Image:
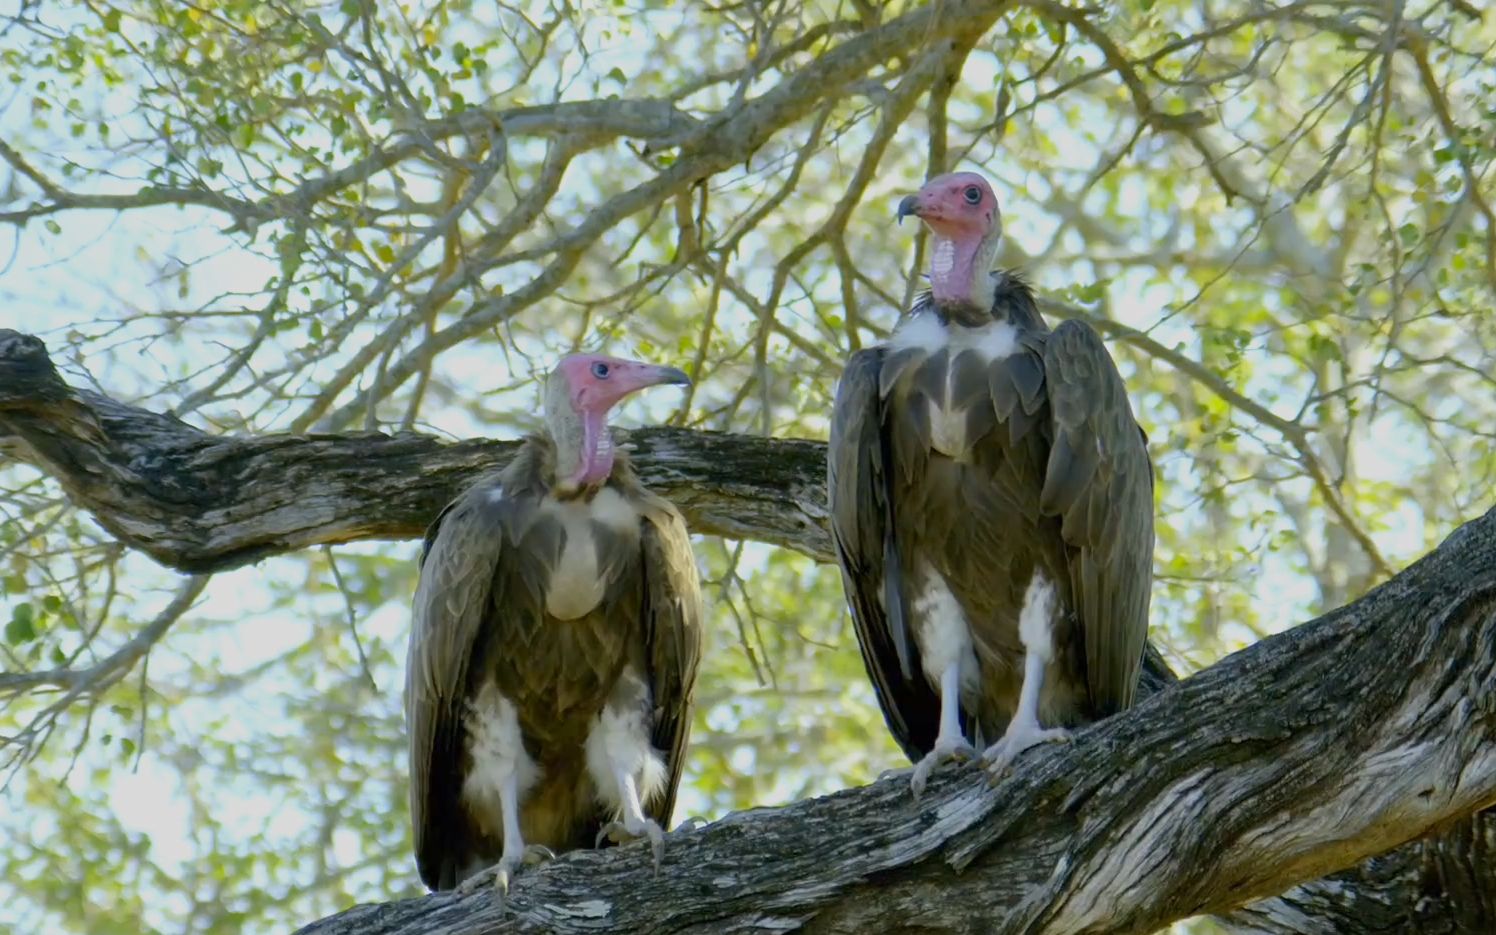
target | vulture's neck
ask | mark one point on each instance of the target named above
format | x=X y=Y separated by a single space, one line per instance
x=584 y=452
x=959 y=271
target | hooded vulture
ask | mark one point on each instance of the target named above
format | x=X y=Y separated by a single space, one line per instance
x=553 y=652
x=992 y=506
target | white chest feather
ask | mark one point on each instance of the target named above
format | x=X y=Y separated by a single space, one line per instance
x=990 y=342
x=580 y=579
x=947 y=427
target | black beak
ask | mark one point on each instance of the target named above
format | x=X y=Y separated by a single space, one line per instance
x=674 y=375
x=908 y=206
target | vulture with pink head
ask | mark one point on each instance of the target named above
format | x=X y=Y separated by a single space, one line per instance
x=554 y=647
x=992 y=507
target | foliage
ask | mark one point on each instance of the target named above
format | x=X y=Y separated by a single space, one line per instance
x=340 y=216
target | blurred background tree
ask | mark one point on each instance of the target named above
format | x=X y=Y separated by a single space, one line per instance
x=268 y=216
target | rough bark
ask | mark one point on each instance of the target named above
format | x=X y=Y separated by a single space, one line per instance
x=1296 y=757
x=1303 y=755
x=201 y=502
x=1442 y=884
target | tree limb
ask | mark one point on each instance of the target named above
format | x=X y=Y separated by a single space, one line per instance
x=1210 y=769
x=200 y=502
x=1444 y=884
x=1295 y=757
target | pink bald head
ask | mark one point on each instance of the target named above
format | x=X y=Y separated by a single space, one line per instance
x=579 y=392
x=961 y=212
x=597 y=382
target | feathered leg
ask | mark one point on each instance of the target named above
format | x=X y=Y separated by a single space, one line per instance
x=625 y=768
x=950 y=744
x=502 y=770
x=1024 y=730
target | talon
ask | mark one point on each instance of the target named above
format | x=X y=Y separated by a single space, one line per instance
x=621 y=831
x=999 y=758
x=694 y=823
x=958 y=750
x=537 y=854
x=656 y=845
x=503 y=872
x=605 y=833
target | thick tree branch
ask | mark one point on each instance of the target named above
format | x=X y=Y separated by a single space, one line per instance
x=1298 y=756
x=1332 y=735
x=201 y=502
x=1444 y=884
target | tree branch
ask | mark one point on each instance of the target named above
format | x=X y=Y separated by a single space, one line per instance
x=200 y=502
x=1306 y=747
x=1297 y=756
x=1444 y=884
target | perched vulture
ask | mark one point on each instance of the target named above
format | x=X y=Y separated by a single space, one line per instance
x=553 y=652
x=992 y=506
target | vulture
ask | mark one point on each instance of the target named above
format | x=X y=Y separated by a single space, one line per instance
x=992 y=507
x=553 y=650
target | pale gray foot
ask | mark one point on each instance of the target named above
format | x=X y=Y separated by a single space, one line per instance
x=632 y=829
x=694 y=823
x=945 y=749
x=1020 y=735
x=502 y=873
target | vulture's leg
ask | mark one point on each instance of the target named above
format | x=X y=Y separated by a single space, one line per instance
x=945 y=646
x=501 y=770
x=625 y=768
x=1035 y=623
x=516 y=853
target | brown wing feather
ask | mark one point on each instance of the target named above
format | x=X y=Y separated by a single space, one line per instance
x=1100 y=482
x=459 y=562
x=672 y=627
x=862 y=525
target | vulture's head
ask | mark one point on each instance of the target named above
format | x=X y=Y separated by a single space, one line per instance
x=579 y=391
x=957 y=206
x=961 y=212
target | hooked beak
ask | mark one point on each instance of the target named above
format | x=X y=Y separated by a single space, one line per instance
x=657 y=375
x=631 y=376
x=909 y=205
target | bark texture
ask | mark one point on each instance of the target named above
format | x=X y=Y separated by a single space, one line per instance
x=1301 y=756
x=199 y=502
x=1296 y=757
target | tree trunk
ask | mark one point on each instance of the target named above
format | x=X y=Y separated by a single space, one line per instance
x=1303 y=755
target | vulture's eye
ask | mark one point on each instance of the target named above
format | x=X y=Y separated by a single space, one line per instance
x=600 y=370
x=973 y=195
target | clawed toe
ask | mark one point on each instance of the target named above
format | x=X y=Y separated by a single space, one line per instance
x=958 y=751
x=619 y=832
x=501 y=874
x=999 y=758
x=537 y=854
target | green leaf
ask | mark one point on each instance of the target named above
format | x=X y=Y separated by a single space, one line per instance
x=111 y=20
x=22 y=626
x=52 y=226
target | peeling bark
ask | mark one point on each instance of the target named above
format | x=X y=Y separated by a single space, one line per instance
x=1303 y=755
